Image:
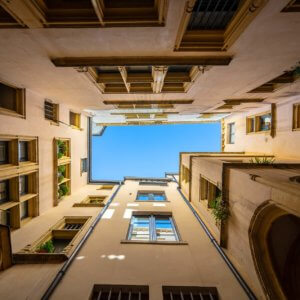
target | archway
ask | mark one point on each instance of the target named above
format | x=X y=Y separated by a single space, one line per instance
x=275 y=244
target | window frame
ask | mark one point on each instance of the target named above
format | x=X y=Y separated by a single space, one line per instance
x=152 y=229
x=151 y=192
x=231 y=133
x=296 y=117
x=20 y=102
x=55 y=120
x=256 y=127
x=74 y=120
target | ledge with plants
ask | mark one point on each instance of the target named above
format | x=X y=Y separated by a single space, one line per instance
x=62 y=168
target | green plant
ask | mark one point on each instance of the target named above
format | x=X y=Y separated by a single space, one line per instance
x=60 y=193
x=220 y=210
x=262 y=161
x=61 y=149
x=60 y=178
x=47 y=247
x=61 y=169
x=64 y=189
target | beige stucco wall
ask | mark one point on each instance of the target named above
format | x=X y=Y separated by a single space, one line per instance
x=29 y=281
x=36 y=125
x=197 y=263
x=285 y=144
x=245 y=196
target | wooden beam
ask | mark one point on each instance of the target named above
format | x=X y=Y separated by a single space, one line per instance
x=137 y=102
x=99 y=10
x=158 y=74
x=142 y=61
x=123 y=73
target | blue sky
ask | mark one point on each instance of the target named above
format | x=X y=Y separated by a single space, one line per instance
x=148 y=151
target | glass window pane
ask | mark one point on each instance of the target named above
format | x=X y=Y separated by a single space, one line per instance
x=140 y=229
x=143 y=197
x=164 y=229
x=265 y=122
x=159 y=197
x=3 y=152
x=23 y=185
x=23 y=155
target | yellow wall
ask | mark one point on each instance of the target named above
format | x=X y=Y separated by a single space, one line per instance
x=286 y=143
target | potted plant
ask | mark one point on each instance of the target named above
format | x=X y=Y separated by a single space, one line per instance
x=61 y=149
x=220 y=210
x=63 y=190
x=46 y=247
x=61 y=173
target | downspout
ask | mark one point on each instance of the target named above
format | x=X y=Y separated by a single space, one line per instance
x=68 y=263
x=234 y=271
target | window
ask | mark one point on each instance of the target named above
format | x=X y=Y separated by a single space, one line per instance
x=151 y=196
x=159 y=228
x=110 y=292
x=153 y=182
x=296 y=116
x=259 y=123
x=57 y=241
x=189 y=293
x=74 y=119
x=83 y=165
x=23 y=185
x=264 y=122
x=213 y=25
x=23 y=151
x=4 y=191
x=106 y=187
x=4 y=153
x=92 y=201
x=231 y=133
x=250 y=125
x=208 y=191
x=12 y=100
x=51 y=111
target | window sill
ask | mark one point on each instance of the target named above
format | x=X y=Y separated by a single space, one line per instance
x=11 y=113
x=296 y=129
x=153 y=242
x=259 y=132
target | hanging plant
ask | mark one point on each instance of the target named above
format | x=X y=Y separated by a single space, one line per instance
x=61 y=149
x=220 y=210
x=64 y=189
x=61 y=178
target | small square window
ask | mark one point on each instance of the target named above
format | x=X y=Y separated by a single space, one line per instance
x=149 y=228
x=23 y=151
x=132 y=292
x=83 y=165
x=4 y=153
x=51 y=111
x=231 y=133
x=75 y=119
x=190 y=293
x=296 y=116
x=4 y=191
x=151 y=196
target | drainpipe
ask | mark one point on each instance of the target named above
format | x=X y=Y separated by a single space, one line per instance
x=234 y=271
x=68 y=263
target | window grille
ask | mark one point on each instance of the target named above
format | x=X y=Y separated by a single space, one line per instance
x=72 y=226
x=120 y=292
x=189 y=293
x=51 y=111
